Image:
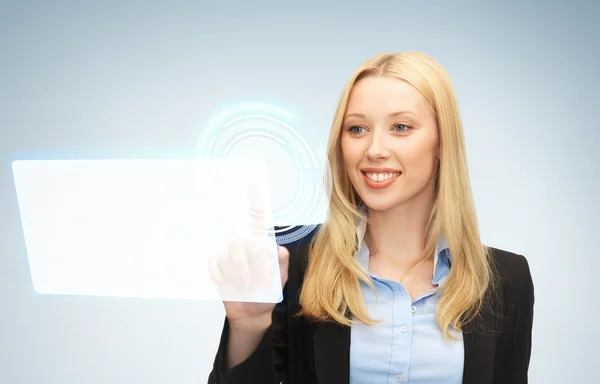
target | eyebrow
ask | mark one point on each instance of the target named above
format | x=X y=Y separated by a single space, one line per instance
x=393 y=114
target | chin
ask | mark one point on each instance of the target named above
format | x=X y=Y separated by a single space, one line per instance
x=376 y=203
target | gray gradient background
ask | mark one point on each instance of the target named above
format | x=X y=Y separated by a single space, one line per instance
x=139 y=78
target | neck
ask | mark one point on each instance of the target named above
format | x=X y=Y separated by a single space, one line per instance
x=398 y=234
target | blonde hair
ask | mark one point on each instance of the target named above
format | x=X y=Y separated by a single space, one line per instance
x=331 y=289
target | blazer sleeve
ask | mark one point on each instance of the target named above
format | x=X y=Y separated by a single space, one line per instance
x=518 y=365
x=267 y=364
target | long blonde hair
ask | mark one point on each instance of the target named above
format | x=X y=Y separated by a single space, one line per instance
x=331 y=289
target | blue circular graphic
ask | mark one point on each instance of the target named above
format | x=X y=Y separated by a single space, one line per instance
x=269 y=122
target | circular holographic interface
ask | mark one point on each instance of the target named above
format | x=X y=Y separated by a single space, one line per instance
x=299 y=176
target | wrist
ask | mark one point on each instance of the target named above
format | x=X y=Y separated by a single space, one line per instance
x=258 y=323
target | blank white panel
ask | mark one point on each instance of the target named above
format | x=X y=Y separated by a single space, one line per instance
x=137 y=228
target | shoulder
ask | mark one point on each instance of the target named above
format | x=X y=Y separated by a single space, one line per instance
x=510 y=267
x=514 y=284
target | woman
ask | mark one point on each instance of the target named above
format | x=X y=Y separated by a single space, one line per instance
x=395 y=286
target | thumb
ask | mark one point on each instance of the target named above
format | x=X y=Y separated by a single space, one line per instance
x=284 y=260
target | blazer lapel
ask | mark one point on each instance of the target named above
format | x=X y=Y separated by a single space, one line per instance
x=332 y=353
x=479 y=343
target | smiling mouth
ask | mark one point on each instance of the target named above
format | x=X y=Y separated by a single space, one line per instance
x=380 y=180
x=381 y=177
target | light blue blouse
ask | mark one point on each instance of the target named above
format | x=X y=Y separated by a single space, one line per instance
x=408 y=347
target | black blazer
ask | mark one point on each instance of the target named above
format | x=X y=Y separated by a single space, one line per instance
x=295 y=350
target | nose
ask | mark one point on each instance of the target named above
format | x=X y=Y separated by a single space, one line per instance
x=378 y=149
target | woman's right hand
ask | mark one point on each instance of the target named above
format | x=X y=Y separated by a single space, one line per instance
x=247 y=266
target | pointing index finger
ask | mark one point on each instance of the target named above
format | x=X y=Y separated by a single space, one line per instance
x=259 y=199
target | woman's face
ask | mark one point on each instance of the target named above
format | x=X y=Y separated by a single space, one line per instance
x=389 y=143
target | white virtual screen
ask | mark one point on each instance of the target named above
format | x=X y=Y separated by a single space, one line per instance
x=140 y=228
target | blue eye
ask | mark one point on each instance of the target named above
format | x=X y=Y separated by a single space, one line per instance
x=355 y=129
x=402 y=127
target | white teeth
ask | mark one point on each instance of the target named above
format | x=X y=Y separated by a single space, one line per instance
x=379 y=177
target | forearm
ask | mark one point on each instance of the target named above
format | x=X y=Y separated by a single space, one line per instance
x=244 y=337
